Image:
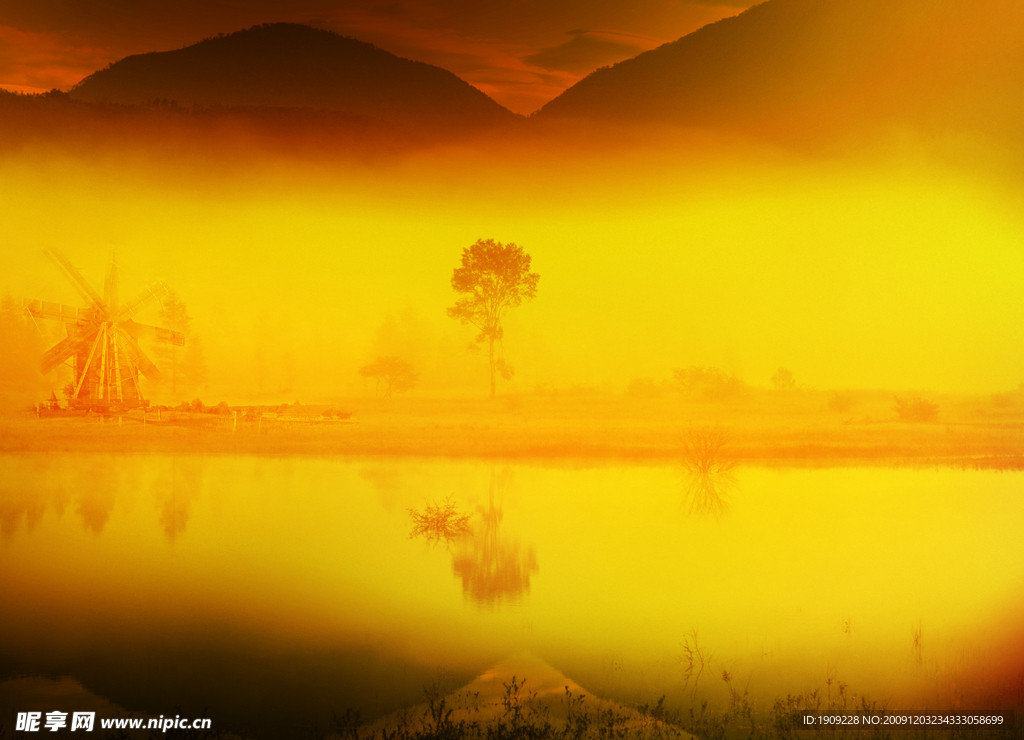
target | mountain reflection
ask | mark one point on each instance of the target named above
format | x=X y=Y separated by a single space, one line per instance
x=493 y=567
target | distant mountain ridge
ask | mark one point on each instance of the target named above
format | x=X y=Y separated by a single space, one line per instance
x=284 y=65
x=822 y=63
x=789 y=70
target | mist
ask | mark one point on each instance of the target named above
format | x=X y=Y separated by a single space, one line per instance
x=894 y=271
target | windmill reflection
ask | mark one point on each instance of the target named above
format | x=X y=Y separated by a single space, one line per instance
x=493 y=567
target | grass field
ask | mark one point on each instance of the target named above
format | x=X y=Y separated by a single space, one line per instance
x=760 y=427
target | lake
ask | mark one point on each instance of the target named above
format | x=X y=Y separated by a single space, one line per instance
x=270 y=593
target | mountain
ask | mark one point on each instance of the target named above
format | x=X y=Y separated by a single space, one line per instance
x=523 y=696
x=811 y=66
x=292 y=66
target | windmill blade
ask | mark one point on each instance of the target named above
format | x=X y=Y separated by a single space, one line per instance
x=156 y=333
x=65 y=349
x=88 y=363
x=136 y=356
x=58 y=311
x=156 y=290
x=117 y=371
x=77 y=280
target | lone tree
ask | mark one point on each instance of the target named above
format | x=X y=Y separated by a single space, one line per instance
x=186 y=368
x=492 y=278
x=392 y=373
x=783 y=380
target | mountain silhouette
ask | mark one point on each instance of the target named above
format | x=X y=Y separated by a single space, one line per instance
x=802 y=66
x=523 y=696
x=291 y=66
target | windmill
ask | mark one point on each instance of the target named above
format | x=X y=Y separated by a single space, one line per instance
x=102 y=341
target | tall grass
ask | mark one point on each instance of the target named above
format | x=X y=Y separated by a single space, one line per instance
x=439 y=523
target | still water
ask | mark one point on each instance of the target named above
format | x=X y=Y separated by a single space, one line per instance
x=268 y=593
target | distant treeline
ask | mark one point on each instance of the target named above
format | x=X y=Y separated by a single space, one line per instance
x=61 y=123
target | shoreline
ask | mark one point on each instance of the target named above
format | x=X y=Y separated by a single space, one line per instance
x=768 y=442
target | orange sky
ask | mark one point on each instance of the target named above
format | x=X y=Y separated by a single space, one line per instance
x=521 y=52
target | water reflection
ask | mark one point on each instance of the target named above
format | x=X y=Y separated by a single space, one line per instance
x=439 y=523
x=176 y=489
x=94 y=489
x=844 y=568
x=95 y=505
x=18 y=506
x=709 y=470
x=492 y=565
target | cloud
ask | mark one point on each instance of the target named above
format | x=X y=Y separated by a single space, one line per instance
x=31 y=61
x=587 y=50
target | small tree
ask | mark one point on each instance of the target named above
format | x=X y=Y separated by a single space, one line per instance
x=173 y=315
x=492 y=278
x=783 y=380
x=393 y=373
x=184 y=367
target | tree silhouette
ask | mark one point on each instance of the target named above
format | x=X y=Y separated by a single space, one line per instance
x=393 y=373
x=492 y=278
x=174 y=316
x=783 y=380
x=186 y=368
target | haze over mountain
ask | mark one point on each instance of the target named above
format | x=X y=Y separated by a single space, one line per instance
x=285 y=65
x=799 y=66
x=789 y=70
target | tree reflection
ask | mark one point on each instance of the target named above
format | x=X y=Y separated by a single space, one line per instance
x=176 y=491
x=492 y=565
x=97 y=496
x=18 y=506
x=708 y=469
x=28 y=492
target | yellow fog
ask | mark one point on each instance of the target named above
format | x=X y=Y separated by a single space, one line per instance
x=887 y=272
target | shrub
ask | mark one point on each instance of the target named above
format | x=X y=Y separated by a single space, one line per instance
x=915 y=408
x=708 y=383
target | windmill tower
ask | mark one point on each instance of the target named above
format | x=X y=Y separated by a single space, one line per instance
x=102 y=341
